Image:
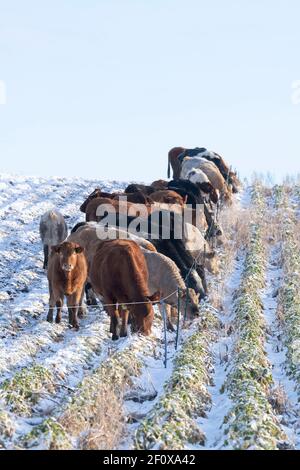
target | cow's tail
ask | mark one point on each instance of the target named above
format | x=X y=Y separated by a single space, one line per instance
x=169 y=167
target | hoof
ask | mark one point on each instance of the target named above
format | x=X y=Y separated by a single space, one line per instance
x=49 y=319
x=115 y=337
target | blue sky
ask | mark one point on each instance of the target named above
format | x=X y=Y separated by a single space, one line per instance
x=105 y=88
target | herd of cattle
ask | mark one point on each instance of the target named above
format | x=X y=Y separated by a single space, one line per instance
x=129 y=271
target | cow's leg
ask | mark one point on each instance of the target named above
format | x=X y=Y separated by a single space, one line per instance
x=73 y=301
x=118 y=323
x=170 y=326
x=176 y=166
x=55 y=300
x=46 y=255
x=133 y=323
x=168 y=310
x=52 y=303
x=209 y=220
x=174 y=314
x=111 y=325
x=89 y=294
x=124 y=312
x=171 y=315
x=59 y=305
x=59 y=301
x=115 y=321
x=82 y=309
x=201 y=271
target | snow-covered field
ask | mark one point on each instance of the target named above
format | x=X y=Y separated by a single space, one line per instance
x=209 y=396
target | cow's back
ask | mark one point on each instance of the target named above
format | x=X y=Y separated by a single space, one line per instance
x=194 y=240
x=163 y=273
x=91 y=232
x=119 y=270
x=211 y=170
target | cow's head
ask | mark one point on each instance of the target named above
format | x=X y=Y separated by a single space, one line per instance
x=93 y=195
x=209 y=192
x=143 y=314
x=68 y=253
x=234 y=181
x=197 y=176
x=190 y=299
x=212 y=262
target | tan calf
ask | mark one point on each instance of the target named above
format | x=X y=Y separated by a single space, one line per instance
x=67 y=274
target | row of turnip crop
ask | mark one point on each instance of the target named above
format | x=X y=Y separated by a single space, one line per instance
x=289 y=293
x=251 y=422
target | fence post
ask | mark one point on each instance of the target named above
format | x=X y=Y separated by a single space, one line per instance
x=178 y=319
x=165 y=331
x=186 y=302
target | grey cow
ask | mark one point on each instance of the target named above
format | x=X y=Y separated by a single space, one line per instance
x=53 y=231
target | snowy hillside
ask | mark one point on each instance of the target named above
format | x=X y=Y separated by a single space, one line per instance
x=230 y=384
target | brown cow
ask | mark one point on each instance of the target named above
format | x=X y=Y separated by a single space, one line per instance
x=137 y=197
x=159 y=185
x=145 y=189
x=115 y=206
x=67 y=274
x=168 y=197
x=119 y=275
x=94 y=213
x=92 y=206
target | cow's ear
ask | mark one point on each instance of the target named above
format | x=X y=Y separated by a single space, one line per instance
x=79 y=249
x=56 y=249
x=210 y=255
x=155 y=297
